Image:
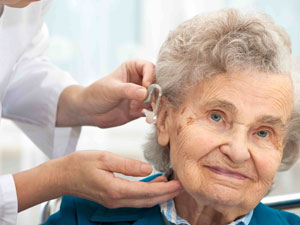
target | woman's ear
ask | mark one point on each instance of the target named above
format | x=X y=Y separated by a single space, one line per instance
x=162 y=130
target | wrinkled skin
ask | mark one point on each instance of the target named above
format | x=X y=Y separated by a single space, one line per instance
x=227 y=143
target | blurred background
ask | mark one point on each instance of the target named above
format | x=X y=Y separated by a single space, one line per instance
x=92 y=38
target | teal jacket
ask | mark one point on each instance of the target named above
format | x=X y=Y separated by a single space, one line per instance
x=78 y=211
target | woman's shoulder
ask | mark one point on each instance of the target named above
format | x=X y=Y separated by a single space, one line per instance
x=74 y=210
x=78 y=211
x=71 y=208
x=266 y=215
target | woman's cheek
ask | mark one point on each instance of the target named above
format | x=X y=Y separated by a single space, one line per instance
x=266 y=163
x=199 y=141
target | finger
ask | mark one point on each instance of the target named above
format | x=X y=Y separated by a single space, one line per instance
x=138 y=105
x=160 y=179
x=148 y=74
x=126 y=166
x=146 y=202
x=136 y=108
x=146 y=70
x=136 y=189
x=133 y=91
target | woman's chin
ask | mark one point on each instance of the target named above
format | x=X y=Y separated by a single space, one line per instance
x=222 y=195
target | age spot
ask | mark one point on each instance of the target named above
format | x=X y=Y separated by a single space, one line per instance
x=190 y=121
x=183 y=110
x=179 y=129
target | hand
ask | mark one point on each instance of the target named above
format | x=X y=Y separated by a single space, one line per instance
x=112 y=101
x=90 y=175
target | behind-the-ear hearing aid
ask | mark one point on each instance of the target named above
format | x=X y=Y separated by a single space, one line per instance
x=156 y=91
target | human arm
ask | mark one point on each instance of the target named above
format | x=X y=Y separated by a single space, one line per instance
x=89 y=175
x=32 y=95
x=35 y=91
x=114 y=192
x=111 y=101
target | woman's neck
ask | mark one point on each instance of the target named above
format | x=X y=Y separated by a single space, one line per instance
x=203 y=213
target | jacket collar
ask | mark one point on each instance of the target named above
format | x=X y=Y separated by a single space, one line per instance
x=103 y=214
x=139 y=215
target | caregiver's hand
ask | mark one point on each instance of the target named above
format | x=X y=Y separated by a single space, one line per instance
x=93 y=178
x=89 y=175
x=111 y=101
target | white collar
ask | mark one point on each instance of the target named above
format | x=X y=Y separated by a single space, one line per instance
x=170 y=215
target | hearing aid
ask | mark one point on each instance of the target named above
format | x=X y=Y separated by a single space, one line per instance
x=154 y=90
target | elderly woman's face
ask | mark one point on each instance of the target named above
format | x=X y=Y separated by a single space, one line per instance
x=226 y=140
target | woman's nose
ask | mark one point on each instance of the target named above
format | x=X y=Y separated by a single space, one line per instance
x=236 y=146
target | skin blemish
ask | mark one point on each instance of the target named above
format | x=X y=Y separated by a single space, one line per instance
x=179 y=129
x=190 y=121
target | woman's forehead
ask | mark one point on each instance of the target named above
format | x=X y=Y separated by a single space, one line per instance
x=259 y=93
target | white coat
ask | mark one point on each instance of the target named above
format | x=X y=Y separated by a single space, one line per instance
x=29 y=90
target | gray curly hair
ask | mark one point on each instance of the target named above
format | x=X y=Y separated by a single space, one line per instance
x=224 y=41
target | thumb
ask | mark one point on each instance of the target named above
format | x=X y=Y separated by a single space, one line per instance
x=126 y=166
x=133 y=91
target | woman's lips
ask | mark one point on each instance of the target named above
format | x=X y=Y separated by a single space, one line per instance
x=227 y=172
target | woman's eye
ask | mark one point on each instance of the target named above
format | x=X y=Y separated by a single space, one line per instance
x=216 y=117
x=262 y=133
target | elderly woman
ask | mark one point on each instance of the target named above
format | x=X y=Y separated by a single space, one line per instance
x=225 y=124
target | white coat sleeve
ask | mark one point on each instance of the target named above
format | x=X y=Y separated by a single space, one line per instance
x=8 y=202
x=32 y=97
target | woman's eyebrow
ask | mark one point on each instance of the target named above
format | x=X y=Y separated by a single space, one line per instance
x=271 y=120
x=228 y=106
x=223 y=104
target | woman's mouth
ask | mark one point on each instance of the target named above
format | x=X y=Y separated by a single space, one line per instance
x=227 y=172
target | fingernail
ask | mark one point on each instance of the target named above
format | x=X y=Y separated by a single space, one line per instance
x=141 y=93
x=146 y=168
